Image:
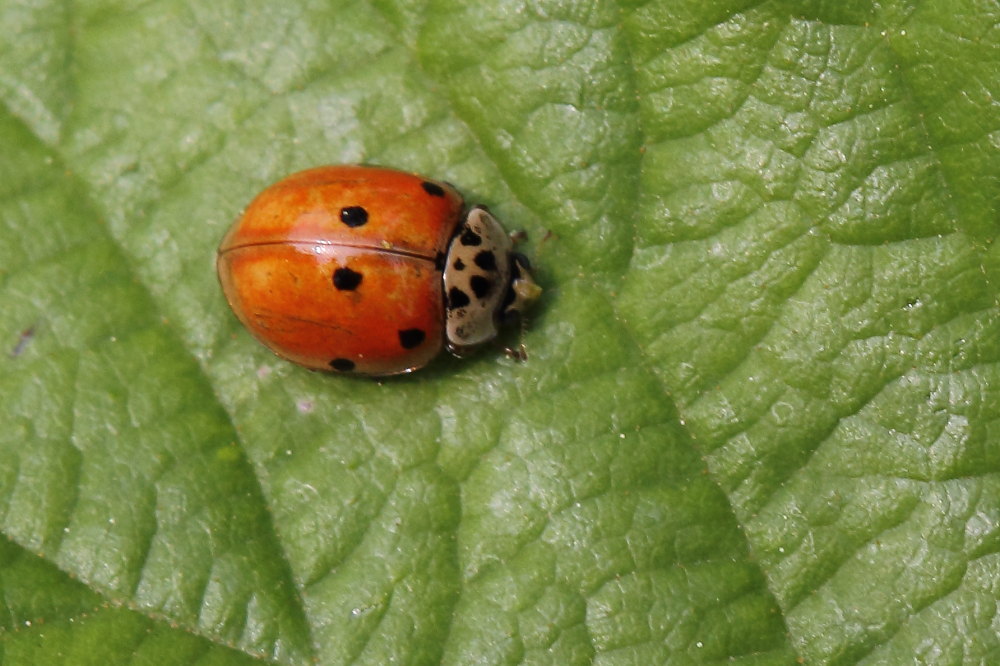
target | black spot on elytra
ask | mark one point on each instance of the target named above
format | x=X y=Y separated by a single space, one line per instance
x=342 y=364
x=411 y=337
x=345 y=279
x=457 y=298
x=486 y=260
x=353 y=216
x=432 y=189
x=459 y=265
x=480 y=285
x=470 y=237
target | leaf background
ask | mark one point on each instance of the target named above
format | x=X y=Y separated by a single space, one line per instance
x=759 y=419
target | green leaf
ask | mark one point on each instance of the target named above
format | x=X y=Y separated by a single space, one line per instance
x=759 y=420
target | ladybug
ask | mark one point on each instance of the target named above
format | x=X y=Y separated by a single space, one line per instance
x=369 y=270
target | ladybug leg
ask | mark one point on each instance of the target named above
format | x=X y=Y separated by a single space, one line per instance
x=519 y=353
x=518 y=236
x=521 y=236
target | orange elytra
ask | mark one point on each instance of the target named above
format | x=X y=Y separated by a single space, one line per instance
x=369 y=270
